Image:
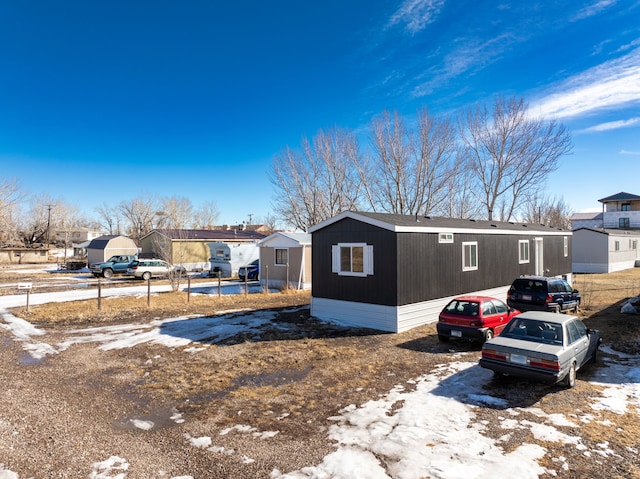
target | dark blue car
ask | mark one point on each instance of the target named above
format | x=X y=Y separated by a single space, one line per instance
x=251 y=271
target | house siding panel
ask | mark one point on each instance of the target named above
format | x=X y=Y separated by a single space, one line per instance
x=379 y=288
x=432 y=270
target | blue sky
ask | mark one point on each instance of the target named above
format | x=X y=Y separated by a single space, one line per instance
x=105 y=101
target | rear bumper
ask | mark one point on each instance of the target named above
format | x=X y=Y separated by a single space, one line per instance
x=461 y=332
x=548 y=307
x=550 y=377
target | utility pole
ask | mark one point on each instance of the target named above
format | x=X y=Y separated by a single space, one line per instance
x=250 y=217
x=48 y=223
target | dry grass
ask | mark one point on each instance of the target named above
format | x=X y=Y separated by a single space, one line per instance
x=164 y=305
x=603 y=296
x=312 y=371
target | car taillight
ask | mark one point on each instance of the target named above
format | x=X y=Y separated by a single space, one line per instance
x=493 y=354
x=548 y=299
x=545 y=363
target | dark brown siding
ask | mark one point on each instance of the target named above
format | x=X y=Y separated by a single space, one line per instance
x=415 y=267
x=380 y=288
x=431 y=270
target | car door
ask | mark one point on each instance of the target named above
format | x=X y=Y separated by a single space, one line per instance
x=578 y=341
x=501 y=316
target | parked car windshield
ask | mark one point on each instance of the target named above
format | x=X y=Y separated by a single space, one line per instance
x=466 y=308
x=534 y=330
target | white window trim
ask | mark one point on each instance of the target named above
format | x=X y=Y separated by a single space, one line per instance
x=445 y=237
x=566 y=246
x=367 y=260
x=275 y=256
x=464 y=249
x=522 y=260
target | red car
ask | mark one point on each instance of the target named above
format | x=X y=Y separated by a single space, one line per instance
x=474 y=318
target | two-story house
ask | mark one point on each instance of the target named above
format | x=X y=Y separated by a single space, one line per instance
x=607 y=241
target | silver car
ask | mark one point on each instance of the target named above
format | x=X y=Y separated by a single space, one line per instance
x=542 y=346
x=147 y=268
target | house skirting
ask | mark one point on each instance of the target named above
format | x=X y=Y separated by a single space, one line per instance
x=603 y=267
x=281 y=283
x=394 y=319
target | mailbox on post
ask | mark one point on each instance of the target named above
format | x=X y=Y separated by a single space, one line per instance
x=25 y=287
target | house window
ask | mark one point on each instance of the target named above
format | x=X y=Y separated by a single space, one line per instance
x=352 y=259
x=282 y=256
x=470 y=256
x=623 y=222
x=566 y=246
x=625 y=207
x=634 y=244
x=617 y=246
x=445 y=238
x=523 y=246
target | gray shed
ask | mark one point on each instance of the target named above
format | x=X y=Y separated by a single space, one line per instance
x=103 y=247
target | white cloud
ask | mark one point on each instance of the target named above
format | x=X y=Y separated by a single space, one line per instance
x=416 y=14
x=593 y=9
x=614 y=125
x=612 y=85
x=627 y=152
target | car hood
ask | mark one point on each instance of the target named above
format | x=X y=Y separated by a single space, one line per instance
x=511 y=343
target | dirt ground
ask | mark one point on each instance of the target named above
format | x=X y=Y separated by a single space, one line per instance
x=64 y=413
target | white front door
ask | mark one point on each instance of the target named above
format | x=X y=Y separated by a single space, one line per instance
x=539 y=256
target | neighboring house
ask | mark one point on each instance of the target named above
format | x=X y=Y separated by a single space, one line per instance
x=396 y=272
x=607 y=241
x=586 y=220
x=190 y=248
x=103 y=247
x=75 y=236
x=605 y=250
x=285 y=260
x=22 y=255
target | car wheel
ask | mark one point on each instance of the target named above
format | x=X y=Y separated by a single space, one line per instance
x=443 y=339
x=107 y=273
x=146 y=275
x=488 y=335
x=570 y=379
x=557 y=309
x=499 y=376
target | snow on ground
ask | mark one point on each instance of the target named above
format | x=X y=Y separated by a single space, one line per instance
x=424 y=428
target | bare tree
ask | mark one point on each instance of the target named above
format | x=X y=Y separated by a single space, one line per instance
x=206 y=215
x=319 y=181
x=141 y=214
x=48 y=220
x=547 y=211
x=10 y=198
x=175 y=213
x=411 y=168
x=510 y=153
x=110 y=218
x=460 y=203
x=34 y=223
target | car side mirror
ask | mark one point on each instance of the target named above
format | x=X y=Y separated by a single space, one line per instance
x=576 y=291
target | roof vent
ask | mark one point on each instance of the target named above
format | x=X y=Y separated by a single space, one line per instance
x=494 y=226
